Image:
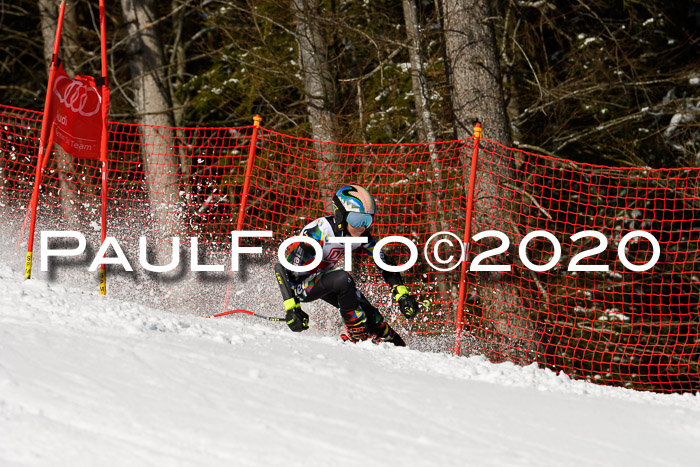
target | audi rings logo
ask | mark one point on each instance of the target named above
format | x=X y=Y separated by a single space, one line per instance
x=78 y=97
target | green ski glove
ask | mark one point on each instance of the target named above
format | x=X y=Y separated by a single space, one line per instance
x=407 y=304
x=297 y=320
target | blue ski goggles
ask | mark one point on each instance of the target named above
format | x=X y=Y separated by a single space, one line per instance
x=358 y=219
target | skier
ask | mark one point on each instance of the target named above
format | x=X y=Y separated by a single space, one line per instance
x=353 y=213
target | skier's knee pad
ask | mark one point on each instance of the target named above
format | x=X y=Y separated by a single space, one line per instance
x=340 y=281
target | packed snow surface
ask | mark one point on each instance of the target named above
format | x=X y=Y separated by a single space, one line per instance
x=93 y=381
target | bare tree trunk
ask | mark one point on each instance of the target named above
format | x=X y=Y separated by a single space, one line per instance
x=153 y=105
x=426 y=133
x=178 y=58
x=421 y=98
x=319 y=87
x=477 y=96
x=420 y=86
x=48 y=14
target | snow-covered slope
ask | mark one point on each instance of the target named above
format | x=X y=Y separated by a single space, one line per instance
x=91 y=381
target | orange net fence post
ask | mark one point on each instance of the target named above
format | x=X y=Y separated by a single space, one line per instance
x=248 y=171
x=244 y=194
x=467 y=240
x=575 y=286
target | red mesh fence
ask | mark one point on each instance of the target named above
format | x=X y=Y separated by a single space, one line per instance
x=637 y=329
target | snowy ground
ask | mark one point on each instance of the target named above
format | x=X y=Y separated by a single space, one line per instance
x=87 y=381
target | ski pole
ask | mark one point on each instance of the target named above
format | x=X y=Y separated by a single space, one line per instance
x=269 y=318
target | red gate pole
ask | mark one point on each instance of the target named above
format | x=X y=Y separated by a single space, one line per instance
x=244 y=195
x=103 y=142
x=35 y=193
x=43 y=141
x=467 y=240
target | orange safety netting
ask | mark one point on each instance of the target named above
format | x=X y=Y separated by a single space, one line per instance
x=623 y=327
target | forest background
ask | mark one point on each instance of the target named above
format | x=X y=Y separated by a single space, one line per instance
x=609 y=82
